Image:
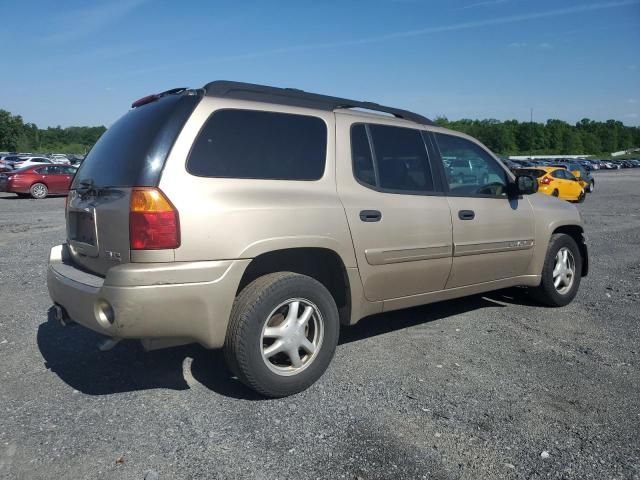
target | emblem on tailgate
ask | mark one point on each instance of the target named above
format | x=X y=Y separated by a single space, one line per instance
x=115 y=256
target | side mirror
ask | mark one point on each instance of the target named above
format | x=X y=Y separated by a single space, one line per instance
x=526 y=185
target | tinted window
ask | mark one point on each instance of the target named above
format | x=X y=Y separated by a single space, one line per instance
x=482 y=174
x=133 y=150
x=361 y=156
x=534 y=172
x=401 y=159
x=43 y=170
x=262 y=145
x=559 y=174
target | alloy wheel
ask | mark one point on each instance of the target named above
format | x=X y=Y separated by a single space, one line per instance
x=564 y=271
x=292 y=336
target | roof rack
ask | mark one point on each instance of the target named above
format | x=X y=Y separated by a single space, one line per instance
x=300 y=98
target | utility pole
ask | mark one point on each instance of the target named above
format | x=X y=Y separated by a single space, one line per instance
x=531 y=129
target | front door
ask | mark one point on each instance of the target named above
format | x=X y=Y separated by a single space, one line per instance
x=493 y=234
x=399 y=220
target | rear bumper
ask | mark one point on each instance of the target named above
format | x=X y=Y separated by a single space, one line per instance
x=183 y=301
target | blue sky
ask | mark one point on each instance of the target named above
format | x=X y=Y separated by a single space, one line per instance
x=70 y=62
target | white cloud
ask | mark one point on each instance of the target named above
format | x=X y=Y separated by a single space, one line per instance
x=545 y=45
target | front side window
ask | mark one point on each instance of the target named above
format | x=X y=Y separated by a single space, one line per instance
x=471 y=171
x=260 y=145
x=398 y=162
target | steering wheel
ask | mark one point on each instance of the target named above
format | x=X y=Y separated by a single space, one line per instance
x=494 y=188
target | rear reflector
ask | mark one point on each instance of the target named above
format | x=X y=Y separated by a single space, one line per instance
x=153 y=221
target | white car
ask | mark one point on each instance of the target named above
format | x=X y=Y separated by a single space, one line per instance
x=60 y=159
x=28 y=161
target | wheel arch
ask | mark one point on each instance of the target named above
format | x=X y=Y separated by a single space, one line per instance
x=577 y=233
x=321 y=263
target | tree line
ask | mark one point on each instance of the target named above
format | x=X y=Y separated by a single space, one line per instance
x=18 y=136
x=507 y=138
x=553 y=137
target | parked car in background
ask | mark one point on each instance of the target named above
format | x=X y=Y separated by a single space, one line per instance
x=29 y=161
x=557 y=182
x=38 y=181
x=464 y=170
x=585 y=179
x=9 y=162
x=60 y=159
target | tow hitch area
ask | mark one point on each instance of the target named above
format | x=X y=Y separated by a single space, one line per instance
x=61 y=316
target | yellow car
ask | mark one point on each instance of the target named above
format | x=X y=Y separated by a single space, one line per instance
x=557 y=182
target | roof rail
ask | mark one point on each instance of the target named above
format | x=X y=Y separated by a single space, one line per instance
x=299 y=98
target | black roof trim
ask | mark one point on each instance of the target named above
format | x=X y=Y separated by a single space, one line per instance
x=299 y=98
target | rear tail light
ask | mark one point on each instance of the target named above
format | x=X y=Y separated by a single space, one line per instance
x=545 y=181
x=153 y=221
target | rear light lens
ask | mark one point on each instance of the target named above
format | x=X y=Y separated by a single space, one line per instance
x=153 y=221
x=545 y=181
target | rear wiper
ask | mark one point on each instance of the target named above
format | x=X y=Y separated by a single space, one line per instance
x=87 y=187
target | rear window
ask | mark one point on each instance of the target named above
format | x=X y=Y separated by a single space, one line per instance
x=534 y=172
x=133 y=150
x=260 y=145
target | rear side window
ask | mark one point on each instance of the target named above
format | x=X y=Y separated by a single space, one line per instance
x=399 y=162
x=361 y=156
x=260 y=145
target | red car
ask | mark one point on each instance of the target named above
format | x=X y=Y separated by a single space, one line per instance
x=38 y=181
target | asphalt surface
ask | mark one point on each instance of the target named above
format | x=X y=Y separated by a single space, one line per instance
x=483 y=387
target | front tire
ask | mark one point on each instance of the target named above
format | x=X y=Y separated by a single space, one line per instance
x=282 y=333
x=39 y=191
x=592 y=186
x=561 y=272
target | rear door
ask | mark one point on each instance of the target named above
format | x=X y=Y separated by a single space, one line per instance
x=399 y=219
x=493 y=235
x=131 y=153
x=55 y=179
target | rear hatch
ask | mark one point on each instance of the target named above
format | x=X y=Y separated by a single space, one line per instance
x=131 y=153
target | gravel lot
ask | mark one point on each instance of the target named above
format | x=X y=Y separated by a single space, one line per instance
x=483 y=387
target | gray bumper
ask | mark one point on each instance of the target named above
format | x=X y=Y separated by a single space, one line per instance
x=187 y=301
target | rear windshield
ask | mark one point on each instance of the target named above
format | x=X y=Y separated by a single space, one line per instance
x=133 y=150
x=534 y=172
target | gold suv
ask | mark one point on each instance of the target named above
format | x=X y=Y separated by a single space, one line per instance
x=260 y=219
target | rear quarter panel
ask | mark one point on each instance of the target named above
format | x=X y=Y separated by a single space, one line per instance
x=223 y=218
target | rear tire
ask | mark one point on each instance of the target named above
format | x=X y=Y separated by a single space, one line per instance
x=561 y=272
x=264 y=320
x=39 y=191
x=555 y=193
